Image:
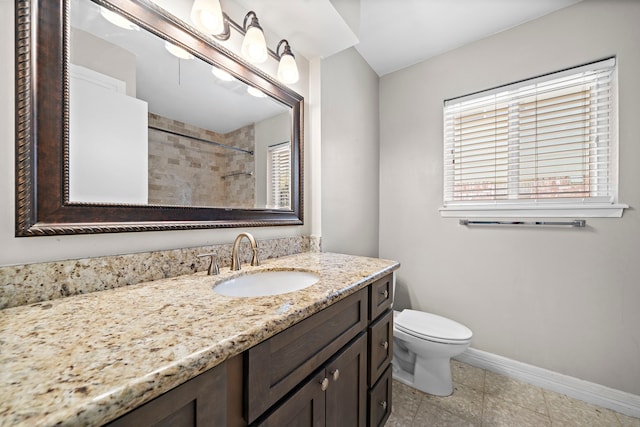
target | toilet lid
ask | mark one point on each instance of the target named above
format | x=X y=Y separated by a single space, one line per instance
x=429 y=325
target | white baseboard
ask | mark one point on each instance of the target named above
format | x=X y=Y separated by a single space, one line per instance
x=620 y=401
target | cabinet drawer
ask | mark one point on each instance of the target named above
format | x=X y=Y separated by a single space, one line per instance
x=277 y=365
x=380 y=346
x=380 y=400
x=380 y=296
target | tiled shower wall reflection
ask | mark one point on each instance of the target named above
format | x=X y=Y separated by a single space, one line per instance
x=26 y=284
x=185 y=171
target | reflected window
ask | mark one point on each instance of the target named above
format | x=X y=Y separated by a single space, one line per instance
x=279 y=176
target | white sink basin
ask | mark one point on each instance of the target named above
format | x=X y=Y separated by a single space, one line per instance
x=266 y=283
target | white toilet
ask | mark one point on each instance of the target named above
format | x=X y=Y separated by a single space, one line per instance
x=423 y=344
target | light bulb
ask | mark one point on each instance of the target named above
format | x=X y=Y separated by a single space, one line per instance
x=177 y=51
x=288 y=69
x=118 y=20
x=207 y=15
x=254 y=46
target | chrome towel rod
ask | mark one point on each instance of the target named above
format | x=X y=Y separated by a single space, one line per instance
x=574 y=223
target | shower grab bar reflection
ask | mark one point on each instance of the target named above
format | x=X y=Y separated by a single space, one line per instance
x=237 y=174
x=219 y=144
x=574 y=223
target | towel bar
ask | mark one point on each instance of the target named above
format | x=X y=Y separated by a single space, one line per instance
x=574 y=223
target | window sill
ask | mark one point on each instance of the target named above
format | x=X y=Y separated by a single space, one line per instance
x=592 y=210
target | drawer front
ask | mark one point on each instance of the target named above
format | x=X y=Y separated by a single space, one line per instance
x=380 y=400
x=380 y=346
x=380 y=296
x=277 y=365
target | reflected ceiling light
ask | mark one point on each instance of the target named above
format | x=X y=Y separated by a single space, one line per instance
x=177 y=51
x=255 y=92
x=208 y=17
x=118 y=20
x=222 y=74
x=254 y=46
x=287 y=68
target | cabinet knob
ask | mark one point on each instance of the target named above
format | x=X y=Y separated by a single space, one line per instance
x=335 y=374
x=385 y=294
x=385 y=345
x=383 y=403
x=324 y=384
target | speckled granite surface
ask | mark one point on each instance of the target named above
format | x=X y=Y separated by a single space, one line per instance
x=87 y=359
x=26 y=284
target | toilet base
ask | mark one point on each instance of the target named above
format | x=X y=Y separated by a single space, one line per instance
x=431 y=376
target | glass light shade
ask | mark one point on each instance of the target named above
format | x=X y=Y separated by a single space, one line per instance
x=288 y=69
x=254 y=46
x=207 y=15
x=255 y=92
x=118 y=20
x=177 y=51
x=222 y=74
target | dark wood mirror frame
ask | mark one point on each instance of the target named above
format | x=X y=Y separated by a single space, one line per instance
x=42 y=160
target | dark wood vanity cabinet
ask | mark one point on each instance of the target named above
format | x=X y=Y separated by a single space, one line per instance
x=357 y=380
x=279 y=364
x=331 y=369
x=335 y=396
x=201 y=401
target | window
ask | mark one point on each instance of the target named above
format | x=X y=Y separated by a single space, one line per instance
x=541 y=147
x=279 y=176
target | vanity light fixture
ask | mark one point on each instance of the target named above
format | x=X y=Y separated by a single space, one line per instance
x=208 y=16
x=177 y=51
x=222 y=74
x=118 y=20
x=287 y=68
x=254 y=46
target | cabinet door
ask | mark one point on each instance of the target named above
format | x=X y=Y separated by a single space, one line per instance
x=200 y=402
x=304 y=408
x=347 y=391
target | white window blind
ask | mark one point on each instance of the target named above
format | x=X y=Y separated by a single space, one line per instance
x=546 y=140
x=279 y=176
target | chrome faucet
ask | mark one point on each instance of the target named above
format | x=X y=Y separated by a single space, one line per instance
x=235 y=257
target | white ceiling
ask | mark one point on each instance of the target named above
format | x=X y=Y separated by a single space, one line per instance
x=390 y=34
x=396 y=34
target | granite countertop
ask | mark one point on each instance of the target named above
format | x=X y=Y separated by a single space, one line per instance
x=87 y=359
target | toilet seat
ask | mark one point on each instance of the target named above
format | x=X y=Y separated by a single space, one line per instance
x=432 y=327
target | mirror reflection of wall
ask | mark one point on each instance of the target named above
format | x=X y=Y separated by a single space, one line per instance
x=154 y=125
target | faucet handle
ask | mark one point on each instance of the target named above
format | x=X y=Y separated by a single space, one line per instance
x=213 y=270
x=254 y=260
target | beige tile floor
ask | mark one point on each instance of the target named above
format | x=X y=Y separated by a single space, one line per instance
x=484 y=399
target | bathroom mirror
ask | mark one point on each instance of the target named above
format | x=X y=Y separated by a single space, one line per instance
x=122 y=125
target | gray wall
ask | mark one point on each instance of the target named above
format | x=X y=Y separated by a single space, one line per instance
x=350 y=155
x=562 y=299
